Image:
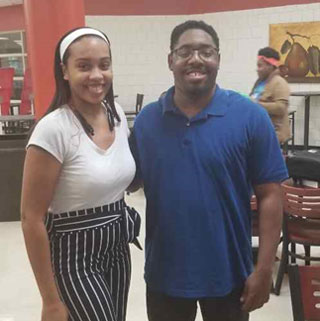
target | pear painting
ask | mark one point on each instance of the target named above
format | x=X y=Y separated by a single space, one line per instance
x=314 y=59
x=298 y=45
x=297 y=61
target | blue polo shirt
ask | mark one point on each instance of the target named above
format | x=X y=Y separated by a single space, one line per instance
x=198 y=175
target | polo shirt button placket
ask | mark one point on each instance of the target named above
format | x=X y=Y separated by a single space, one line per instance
x=186 y=142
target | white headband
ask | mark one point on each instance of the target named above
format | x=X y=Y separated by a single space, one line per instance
x=71 y=37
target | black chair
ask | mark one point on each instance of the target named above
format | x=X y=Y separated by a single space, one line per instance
x=254 y=226
x=292 y=123
x=132 y=114
x=304 y=284
x=285 y=145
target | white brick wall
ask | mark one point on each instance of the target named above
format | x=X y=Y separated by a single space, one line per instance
x=140 y=45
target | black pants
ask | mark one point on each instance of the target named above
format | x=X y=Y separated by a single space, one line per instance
x=161 y=307
x=91 y=262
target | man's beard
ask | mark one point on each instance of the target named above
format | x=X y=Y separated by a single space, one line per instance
x=196 y=92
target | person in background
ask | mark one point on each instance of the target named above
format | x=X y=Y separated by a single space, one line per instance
x=78 y=164
x=272 y=91
x=200 y=150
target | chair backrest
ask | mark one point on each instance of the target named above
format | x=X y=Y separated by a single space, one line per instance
x=253 y=203
x=301 y=201
x=255 y=231
x=26 y=94
x=139 y=103
x=305 y=292
x=254 y=216
x=6 y=85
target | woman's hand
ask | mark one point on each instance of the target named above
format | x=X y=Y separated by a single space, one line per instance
x=54 y=312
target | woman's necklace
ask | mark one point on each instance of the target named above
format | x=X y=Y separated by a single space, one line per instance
x=86 y=126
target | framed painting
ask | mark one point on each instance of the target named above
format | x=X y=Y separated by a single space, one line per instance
x=298 y=45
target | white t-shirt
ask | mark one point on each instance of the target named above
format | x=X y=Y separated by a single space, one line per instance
x=90 y=176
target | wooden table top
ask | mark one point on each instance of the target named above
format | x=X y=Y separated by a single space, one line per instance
x=305 y=93
x=16 y=117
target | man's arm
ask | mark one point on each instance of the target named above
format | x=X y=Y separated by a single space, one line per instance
x=258 y=284
x=137 y=182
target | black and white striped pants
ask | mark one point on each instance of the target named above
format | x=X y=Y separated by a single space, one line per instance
x=91 y=261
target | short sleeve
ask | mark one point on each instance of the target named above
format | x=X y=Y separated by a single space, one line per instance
x=48 y=135
x=266 y=162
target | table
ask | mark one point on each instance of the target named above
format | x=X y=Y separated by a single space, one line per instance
x=16 y=124
x=307 y=95
x=16 y=117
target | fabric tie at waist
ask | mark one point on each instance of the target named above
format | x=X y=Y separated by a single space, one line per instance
x=132 y=224
x=74 y=221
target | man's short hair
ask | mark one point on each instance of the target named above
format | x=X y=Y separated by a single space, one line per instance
x=269 y=52
x=192 y=24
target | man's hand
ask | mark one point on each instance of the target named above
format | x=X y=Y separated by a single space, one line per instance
x=256 y=290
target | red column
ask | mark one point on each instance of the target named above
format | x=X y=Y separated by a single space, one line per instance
x=46 y=22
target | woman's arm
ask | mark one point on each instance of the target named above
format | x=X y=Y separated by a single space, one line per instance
x=41 y=172
x=275 y=108
x=280 y=98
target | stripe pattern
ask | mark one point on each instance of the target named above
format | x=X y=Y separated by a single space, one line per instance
x=91 y=260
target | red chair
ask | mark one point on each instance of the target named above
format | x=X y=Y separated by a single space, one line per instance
x=254 y=226
x=6 y=84
x=301 y=225
x=304 y=284
x=254 y=217
x=26 y=94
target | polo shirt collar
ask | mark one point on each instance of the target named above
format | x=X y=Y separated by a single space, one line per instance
x=218 y=105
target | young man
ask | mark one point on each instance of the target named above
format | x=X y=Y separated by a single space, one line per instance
x=199 y=151
x=272 y=92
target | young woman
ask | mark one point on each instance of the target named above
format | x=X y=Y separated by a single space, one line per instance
x=78 y=165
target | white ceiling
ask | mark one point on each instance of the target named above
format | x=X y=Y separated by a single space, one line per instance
x=5 y=3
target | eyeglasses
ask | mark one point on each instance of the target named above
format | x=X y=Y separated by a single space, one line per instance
x=205 y=53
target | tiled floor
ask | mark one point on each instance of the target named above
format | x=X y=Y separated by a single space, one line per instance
x=20 y=301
